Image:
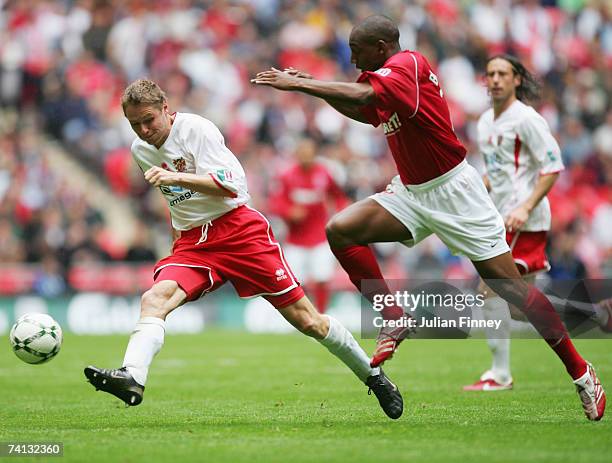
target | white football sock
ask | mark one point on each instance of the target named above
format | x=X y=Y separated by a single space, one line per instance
x=146 y=341
x=340 y=342
x=495 y=308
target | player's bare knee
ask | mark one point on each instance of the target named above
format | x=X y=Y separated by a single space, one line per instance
x=337 y=231
x=160 y=299
x=331 y=230
x=313 y=326
x=512 y=290
x=503 y=290
x=307 y=327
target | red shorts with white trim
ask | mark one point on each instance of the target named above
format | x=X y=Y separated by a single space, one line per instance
x=238 y=247
x=529 y=251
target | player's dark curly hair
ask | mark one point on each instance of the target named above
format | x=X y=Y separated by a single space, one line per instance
x=530 y=87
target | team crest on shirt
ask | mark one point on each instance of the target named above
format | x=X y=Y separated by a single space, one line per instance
x=180 y=164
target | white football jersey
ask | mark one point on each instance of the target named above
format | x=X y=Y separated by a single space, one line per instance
x=517 y=148
x=195 y=146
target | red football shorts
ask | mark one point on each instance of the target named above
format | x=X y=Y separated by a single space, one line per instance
x=529 y=251
x=238 y=247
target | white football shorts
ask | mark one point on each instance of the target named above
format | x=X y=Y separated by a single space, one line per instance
x=309 y=264
x=455 y=206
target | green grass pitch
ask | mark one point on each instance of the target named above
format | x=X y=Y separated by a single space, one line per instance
x=233 y=397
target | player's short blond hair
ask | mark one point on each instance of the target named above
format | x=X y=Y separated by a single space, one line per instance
x=143 y=91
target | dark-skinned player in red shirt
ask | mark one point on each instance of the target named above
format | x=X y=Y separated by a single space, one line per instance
x=436 y=191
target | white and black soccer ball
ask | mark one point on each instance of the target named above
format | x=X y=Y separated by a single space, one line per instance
x=36 y=338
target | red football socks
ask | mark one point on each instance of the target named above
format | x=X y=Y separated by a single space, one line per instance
x=360 y=264
x=546 y=321
x=320 y=292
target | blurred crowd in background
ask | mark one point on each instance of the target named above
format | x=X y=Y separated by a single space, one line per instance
x=64 y=64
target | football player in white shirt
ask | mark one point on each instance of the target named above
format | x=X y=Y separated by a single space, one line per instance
x=217 y=239
x=523 y=161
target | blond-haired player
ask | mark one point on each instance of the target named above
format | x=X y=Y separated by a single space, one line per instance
x=218 y=238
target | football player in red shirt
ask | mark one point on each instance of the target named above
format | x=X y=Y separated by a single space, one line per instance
x=302 y=197
x=436 y=190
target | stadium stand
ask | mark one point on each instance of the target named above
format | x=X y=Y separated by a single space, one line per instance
x=63 y=65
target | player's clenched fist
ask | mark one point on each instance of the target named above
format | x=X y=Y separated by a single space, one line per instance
x=157 y=176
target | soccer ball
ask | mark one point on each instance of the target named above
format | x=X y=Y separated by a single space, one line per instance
x=36 y=338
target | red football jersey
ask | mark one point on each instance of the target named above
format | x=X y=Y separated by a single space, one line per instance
x=411 y=106
x=312 y=190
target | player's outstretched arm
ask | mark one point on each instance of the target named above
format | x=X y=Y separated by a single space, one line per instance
x=346 y=97
x=348 y=109
x=157 y=177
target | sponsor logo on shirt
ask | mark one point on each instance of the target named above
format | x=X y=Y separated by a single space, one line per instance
x=392 y=125
x=493 y=161
x=178 y=193
x=170 y=190
x=182 y=198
